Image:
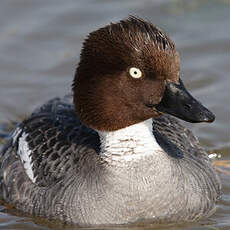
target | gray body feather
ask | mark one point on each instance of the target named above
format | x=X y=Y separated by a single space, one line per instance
x=73 y=183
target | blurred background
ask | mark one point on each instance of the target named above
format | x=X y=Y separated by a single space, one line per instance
x=40 y=43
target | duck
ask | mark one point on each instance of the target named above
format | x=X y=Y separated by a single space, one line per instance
x=113 y=152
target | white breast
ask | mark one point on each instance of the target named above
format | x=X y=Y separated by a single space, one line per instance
x=133 y=142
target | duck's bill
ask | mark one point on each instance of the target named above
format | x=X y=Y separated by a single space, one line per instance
x=178 y=102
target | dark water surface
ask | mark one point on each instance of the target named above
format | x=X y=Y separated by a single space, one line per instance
x=40 y=42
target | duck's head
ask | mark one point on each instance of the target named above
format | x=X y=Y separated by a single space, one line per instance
x=129 y=72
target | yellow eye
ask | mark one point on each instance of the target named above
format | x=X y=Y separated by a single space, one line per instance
x=135 y=72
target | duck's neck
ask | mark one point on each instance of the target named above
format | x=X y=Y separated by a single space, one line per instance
x=129 y=143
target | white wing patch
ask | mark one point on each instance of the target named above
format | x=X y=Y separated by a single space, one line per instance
x=15 y=134
x=24 y=152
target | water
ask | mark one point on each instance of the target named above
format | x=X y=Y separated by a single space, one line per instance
x=40 y=42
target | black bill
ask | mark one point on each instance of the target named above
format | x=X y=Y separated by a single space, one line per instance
x=178 y=102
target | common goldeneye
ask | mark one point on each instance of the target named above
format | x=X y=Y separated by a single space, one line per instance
x=114 y=155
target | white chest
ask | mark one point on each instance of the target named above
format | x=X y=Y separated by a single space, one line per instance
x=133 y=142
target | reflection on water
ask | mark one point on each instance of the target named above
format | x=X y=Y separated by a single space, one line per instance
x=39 y=48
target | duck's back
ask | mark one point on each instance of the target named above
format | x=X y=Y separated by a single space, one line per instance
x=48 y=142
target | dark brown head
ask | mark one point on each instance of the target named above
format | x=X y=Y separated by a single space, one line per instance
x=124 y=72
